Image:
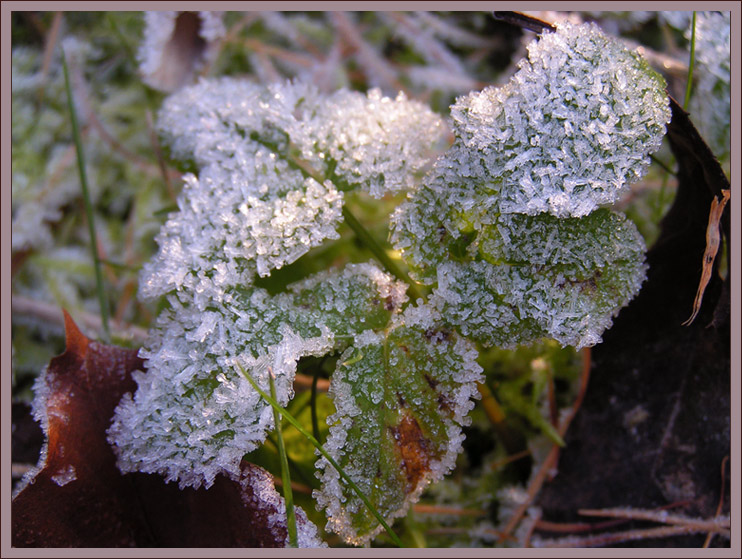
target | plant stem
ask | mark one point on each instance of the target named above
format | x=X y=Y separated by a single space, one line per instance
x=361 y=232
x=288 y=495
x=291 y=419
x=689 y=84
x=370 y=243
x=88 y=205
x=313 y=404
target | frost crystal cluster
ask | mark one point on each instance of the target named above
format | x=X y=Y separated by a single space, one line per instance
x=506 y=225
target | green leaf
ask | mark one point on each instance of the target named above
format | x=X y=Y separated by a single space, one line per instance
x=542 y=276
x=401 y=397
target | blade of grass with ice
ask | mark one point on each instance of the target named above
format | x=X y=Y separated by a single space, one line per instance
x=104 y=313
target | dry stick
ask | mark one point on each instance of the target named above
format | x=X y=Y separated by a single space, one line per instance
x=551 y=459
x=713 y=241
x=278 y=52
x=572 y=527
x=661 y=516
x=719 y=508
x=160 y=158
x=621 y=537
x=511 y=458
x=52 y=314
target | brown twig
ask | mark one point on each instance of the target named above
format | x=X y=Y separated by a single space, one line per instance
x=601 y=540
x=158 y=155
x=720 y=506
x=552 y=458
x=660 y=516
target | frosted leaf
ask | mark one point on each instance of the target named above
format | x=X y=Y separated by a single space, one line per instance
x=249 y=209
x=540 y=276
x=401 y=398
x=177 y=45
x=194 y=415
x=358 y=298
x=571 y=130
x=710 y=104
x=371 y=141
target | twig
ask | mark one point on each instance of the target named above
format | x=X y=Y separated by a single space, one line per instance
x=601 y=540
x=158 y=154
x=662 y=517
x=53 y=314
x=552 y=458
x=720 y=506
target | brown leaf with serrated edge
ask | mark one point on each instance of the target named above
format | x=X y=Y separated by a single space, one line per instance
x=78 y=497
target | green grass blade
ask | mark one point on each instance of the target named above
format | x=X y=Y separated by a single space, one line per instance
x=688 y=86
x=288 y=495
x=291 y=419
x=88 y=204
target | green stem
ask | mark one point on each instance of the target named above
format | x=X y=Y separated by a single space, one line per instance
x=88 y=204
x=288 y=494
x=360 y=231
x=370 y=243
x=291 y=419
x=313 y=404
x=692 y=62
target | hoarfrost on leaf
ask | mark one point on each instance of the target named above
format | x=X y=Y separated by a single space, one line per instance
x=571 y=130
x=194 y=415
x=401 y=400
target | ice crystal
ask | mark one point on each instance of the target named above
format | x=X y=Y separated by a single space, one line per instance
x=249 y=208
x=194 y=415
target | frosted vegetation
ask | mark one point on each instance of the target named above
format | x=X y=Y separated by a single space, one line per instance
x=497 y=202
x=505 y=226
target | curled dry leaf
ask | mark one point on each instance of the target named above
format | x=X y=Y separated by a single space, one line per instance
x=76 y=496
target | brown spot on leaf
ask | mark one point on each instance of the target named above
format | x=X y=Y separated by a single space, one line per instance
x=437 y=335
x=413 y=449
